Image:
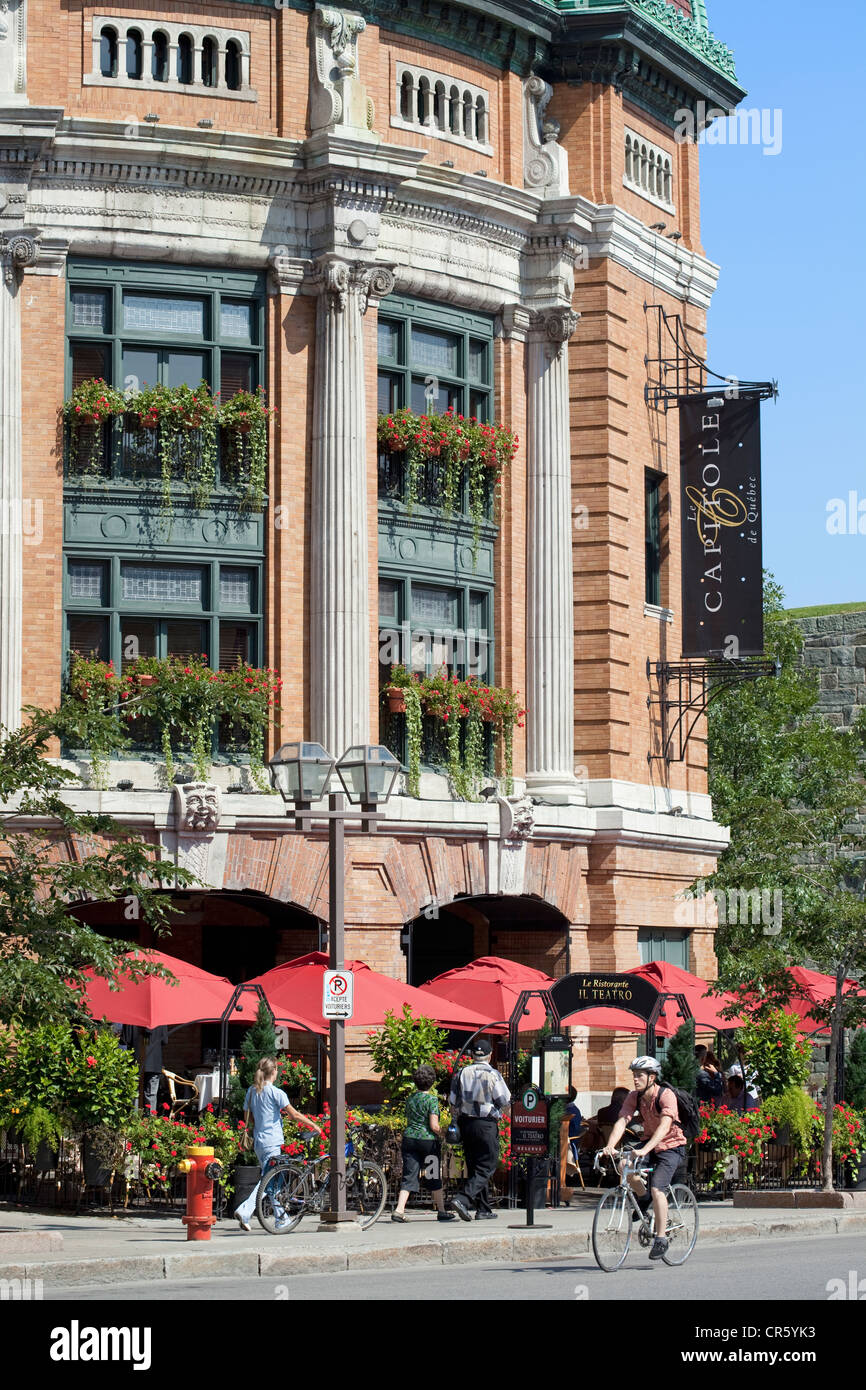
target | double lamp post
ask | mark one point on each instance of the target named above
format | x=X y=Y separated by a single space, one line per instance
x=301 y=773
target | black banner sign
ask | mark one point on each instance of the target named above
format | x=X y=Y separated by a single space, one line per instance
x=586 y=990
x=720 y=457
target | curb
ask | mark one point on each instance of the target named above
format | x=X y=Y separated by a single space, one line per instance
x=498 y=1249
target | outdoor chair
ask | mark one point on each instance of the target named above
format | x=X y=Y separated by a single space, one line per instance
x=179 y=1103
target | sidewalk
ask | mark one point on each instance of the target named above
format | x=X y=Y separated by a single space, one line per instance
x=111 y=1250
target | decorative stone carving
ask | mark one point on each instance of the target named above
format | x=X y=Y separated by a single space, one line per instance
x=13 y=51
x=338 y=100
x=338 y=279
x=557 y=326
x=197 y=806
x=516 y=817
x=545 y=163
x=17 y=251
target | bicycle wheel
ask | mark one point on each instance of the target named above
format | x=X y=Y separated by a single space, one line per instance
x=282 y=1199
x=682 y=1229
x=366 y=1191
x=611 y=1230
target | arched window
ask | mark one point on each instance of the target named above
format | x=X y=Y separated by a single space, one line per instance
x=406 y=93
x=424 y=101
x=643 y=179
x=480 y=120
x=628 y=170
x=159 y=59
x=667 y=189
x=233 y=65
x=209 y=61
x=134 y=49
x=184 y=58
x=108 y=52
x=468 y=116
x=440 y=106
x=652 y=174
x=455 y=111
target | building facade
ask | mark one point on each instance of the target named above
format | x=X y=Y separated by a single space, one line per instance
x=434 y=207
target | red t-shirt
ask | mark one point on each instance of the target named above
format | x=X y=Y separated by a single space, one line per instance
x=651 y=1114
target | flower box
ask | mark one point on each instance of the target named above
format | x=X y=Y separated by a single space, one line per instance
x=396 y=700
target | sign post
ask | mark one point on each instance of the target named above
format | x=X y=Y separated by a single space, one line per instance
x=530 y=1139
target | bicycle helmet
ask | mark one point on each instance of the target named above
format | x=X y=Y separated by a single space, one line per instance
x=645 y=1064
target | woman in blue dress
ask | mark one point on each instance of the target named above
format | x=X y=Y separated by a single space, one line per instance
x=265 y=1104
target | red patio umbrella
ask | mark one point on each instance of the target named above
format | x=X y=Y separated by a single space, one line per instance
x=296 y=988
x=706 y=1008
x=614 y=1020
x=490 y=988
x=817 y=989
x=151 y=1002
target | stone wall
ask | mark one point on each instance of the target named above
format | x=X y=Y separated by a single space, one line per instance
x=835 y=645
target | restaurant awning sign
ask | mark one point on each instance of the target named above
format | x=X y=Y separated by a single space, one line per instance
x=588 y=989
x=720 y=457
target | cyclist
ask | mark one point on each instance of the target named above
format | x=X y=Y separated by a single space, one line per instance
x=663 y=1137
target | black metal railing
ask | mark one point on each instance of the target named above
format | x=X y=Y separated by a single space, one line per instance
x=434 y=741
x=429 y=484
x=124 y=450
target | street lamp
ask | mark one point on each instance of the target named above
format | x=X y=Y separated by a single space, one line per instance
x=301 y=773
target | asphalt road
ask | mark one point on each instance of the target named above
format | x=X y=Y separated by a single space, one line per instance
x=736 y=1273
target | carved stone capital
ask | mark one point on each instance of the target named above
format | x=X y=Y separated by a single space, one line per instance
x=555 y=326
x=286 y=272
x=18 y=250
x=197 y=807
x=338 y=280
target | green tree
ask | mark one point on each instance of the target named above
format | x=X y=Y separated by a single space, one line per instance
x=679 y=1067
x=787 y=781
x=400 y=1047
x=56 y=858
x=259 y=1041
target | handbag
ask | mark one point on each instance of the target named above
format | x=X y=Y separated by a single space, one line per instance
x=247 y=1136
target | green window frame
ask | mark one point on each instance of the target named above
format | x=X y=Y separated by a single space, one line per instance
x=653 y=535
x=431 y=358
x=107 y=608
x=465 y=646
x=140 y=324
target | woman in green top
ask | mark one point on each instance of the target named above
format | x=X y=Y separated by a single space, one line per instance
x=421 y=1148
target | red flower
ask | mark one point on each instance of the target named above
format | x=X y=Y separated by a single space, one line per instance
x=91 y=1061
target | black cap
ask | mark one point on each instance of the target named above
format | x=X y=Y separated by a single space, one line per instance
x=480 y=1048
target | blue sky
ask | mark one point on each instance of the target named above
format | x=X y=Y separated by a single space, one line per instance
x=788 y=231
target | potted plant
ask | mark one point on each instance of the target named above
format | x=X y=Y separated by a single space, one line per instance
x=244 y=419
x=186 y=418
x=183 y=700
x=92 y=403
x=248 y=698
x=96 y=686
x=465 y=445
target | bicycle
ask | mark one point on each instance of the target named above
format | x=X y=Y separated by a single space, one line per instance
x=612 y=1223
x=293 y=1188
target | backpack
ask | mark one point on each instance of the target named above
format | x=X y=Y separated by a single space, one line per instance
x=688 y=1113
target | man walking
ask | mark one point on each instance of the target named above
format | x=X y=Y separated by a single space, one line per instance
x=477 y=1098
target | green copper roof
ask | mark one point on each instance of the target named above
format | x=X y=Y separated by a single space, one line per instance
x=691 y=31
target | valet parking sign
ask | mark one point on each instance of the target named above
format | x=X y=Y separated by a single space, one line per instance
x=338 y=994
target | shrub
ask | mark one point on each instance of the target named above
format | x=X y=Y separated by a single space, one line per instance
x=400 y=1047
x=775 y=1053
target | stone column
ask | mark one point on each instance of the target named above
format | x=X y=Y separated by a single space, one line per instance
x=17 y=250
x=340 y=607
x=549 y=597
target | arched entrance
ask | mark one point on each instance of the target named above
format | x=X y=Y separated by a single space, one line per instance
x=238 y=935
x=523 y=929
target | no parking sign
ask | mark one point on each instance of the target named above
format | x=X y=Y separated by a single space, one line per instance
x=338 y=994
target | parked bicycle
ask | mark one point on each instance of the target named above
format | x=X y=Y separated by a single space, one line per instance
x=296 y=1186
x=618 y=1211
